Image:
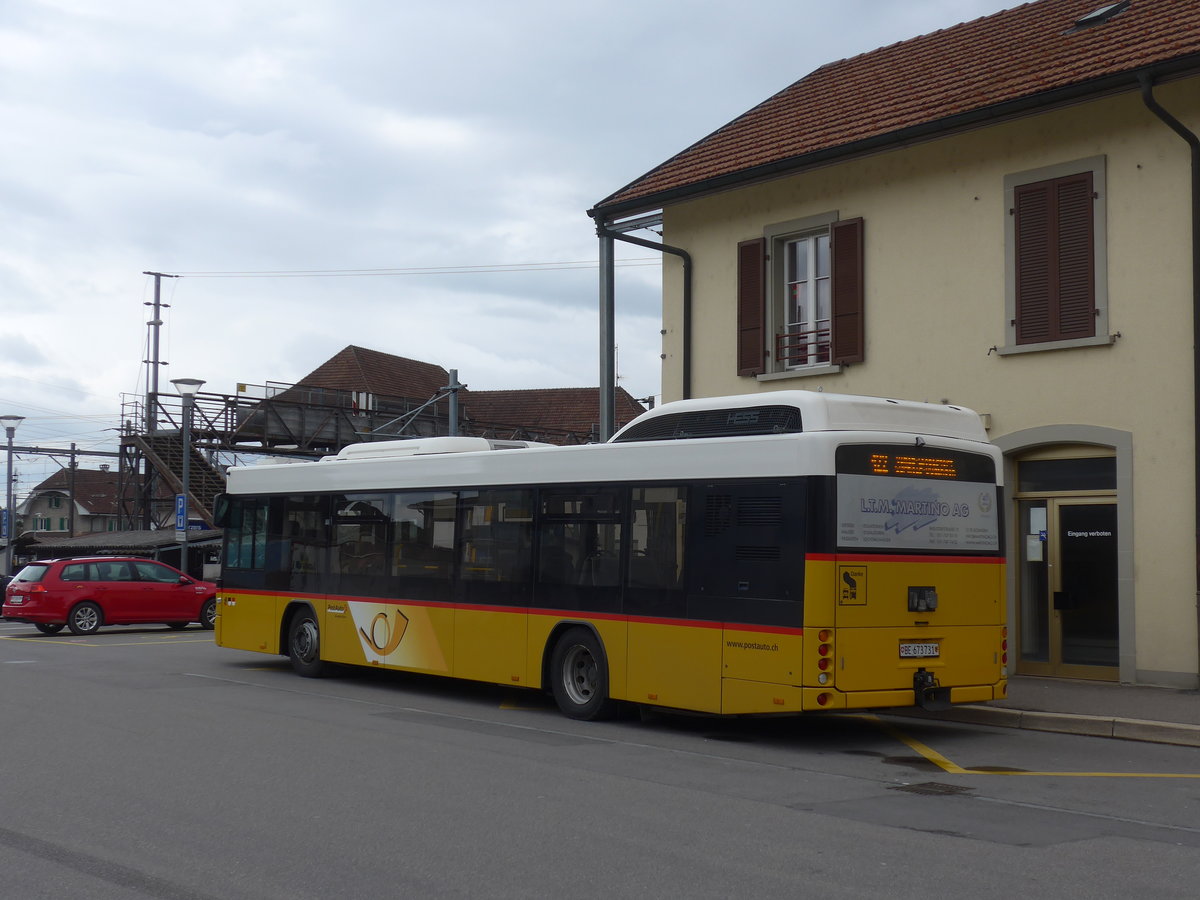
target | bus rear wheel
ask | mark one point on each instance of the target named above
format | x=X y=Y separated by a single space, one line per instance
x=304 y=645
x=579 y=676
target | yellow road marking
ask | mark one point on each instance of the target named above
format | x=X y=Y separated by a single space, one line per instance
x=64 y=641
x=954 y=769
x=926 y=751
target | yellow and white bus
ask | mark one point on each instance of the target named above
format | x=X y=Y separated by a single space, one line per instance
x=773 y=553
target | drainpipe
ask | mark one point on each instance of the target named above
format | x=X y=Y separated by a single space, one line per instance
x=1147 y=83
x=607 y=403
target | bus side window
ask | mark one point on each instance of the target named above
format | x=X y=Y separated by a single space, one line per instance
x=656 y=549
x=246 y=535
x=363 y=534
x=497 y=529
x=424 y=522
x=579 y=537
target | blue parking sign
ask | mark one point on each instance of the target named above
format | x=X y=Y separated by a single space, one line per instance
x=180 y=512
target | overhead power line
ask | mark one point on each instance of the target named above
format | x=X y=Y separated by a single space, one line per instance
x=496 y=268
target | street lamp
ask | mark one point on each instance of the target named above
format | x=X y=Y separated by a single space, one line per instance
x=10 y=522
x=187 y=388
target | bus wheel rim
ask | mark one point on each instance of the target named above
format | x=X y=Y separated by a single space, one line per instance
x=304 y=644
x=579 y=675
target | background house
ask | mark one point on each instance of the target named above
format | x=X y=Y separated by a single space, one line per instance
x=363 y=394
x=1002 y=215
x=71 y=502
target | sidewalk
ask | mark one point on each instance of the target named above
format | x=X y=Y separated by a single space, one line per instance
x=1127 y=711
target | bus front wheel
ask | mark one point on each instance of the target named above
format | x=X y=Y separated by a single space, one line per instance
x=579 y=676
x=304 y=645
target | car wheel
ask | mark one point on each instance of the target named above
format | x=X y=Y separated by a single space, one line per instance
x=85 y=618
x=208 y=614
x=579 y=676
x=304 y=645
x=49 y=627
x=177 y=626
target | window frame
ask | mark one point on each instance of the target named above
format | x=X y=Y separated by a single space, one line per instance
x=846 y=338
x=1096 y=167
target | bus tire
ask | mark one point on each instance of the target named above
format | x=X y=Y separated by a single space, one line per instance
x=579 y=676
x=304 y=645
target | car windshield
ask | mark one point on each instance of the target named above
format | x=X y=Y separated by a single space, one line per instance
x=33 y=572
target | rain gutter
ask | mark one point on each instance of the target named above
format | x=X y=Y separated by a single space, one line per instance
x=1146 y=79
x=608 y=378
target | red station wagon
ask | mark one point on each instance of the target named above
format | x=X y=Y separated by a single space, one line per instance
x=85 y=593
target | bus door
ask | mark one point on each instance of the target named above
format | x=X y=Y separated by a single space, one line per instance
x=919 y=574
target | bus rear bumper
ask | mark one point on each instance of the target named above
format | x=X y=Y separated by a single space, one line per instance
x=752 y=697
x=973 y=693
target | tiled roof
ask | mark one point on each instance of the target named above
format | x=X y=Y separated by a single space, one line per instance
x=553 y=409
x=95 y=490
x=360 y=369
x=108 y=543
x=993 y=66
x=556 y=415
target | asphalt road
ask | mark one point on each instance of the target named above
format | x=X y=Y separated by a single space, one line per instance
x=149 y=763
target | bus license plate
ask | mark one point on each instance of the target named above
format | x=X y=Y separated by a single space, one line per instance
x=918 y=651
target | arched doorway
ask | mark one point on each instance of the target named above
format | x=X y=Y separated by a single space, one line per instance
x=1070 y=586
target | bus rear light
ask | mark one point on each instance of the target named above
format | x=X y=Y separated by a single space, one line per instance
x=824 y=634
x=1004 y=659
x=824 y=664
x=823 y=678
x=824 y=649
x=1004 y=645
x=822 y=699
x=1004 y=632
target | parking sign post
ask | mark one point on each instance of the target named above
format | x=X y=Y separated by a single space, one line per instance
x=187 y=388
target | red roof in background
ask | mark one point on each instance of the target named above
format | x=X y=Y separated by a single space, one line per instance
x=1027 y=54
x=548 y=412
x=555 y=409
x=360 y=369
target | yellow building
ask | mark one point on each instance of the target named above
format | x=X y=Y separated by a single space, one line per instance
x=1001 y=215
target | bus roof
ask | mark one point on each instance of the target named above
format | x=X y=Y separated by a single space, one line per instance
x=766 y=413
x=828 y=420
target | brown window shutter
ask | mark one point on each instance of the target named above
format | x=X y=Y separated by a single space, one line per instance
x=1055 y=264
x=751 y=306
x=1076 y=263
x=847 y=343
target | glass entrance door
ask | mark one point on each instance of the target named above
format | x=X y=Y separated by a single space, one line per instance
x=1068 y=588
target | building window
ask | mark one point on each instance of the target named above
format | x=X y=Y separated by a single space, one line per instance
x=1056 y=286
x=800 y=297
x=804 y=338
x=54 y=501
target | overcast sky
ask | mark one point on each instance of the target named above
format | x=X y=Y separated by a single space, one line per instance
x=337 y=136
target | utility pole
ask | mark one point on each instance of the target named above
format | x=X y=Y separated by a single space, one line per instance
x=71 y=470
x=151 y=411
x=453 y=388
x=154 y=362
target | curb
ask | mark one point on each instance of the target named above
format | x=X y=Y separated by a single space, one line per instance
x=1065 y=723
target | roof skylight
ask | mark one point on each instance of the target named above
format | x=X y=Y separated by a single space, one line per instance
x=1099 y=16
